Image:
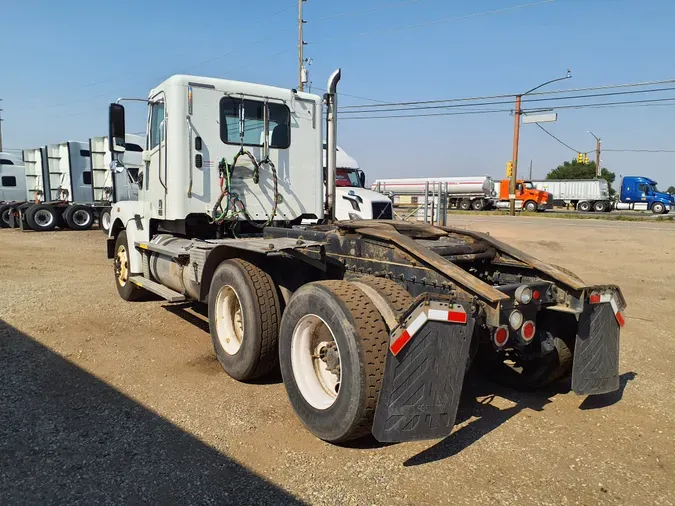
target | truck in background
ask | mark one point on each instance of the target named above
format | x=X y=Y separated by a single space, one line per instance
x=640 y=193
x=353 y=200
x=12 y=178
x=528 y=198
x=582 y=194
x=462 y=192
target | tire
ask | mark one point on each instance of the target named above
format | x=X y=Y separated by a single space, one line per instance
x=478 y=205
x=600 y=206
x=530 y=206
x=246 y=340
x=584 y=206
x=355 y=341
x=65 y=214
x=4 y=215
x=465 y=204
x=42 y=217
x=79 y=217
x=104 y=220
x=658 y=208
x=127 y=290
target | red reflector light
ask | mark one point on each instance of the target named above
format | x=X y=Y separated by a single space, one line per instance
x=528 y=331
x=457 y=316
x=500 y=337
x=619 y=318
x=594 y=298
x=536 y=295
x=400 y=342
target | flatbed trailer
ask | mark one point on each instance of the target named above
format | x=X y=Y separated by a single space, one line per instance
x=373 y=323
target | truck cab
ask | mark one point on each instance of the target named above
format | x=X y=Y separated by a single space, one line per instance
x=352 y=200
x=641 y=193
x=527 y=196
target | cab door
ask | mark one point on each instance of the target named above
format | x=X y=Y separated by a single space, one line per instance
x=155 y=180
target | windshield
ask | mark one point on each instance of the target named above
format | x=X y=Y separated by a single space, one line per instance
x=347 y=178
x=528 y=185
x=653 y=188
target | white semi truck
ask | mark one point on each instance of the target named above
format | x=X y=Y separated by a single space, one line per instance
x=373 y=323
x=12 y=178
x=71 y=184
x=462 y=192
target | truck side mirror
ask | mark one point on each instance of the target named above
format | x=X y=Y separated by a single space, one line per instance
x=116 y=133
x=362 y=178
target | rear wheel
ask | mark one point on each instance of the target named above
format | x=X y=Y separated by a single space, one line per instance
x=333 y=345
x=600 y=206
x=584 y=206
x=4 y=215
x=79 y=217
x=530 y=206
x=244 y=316
x=126 y=289
x=104 y=220
x=42 y=218
x=465 y=204
x=478 y=205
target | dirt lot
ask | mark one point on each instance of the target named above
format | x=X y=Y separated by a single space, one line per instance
x=107 y=401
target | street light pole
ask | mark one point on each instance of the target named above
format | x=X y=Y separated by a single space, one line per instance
x=516 y=139
x=597 y=153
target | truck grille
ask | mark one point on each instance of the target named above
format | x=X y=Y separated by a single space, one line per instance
x=382 y=211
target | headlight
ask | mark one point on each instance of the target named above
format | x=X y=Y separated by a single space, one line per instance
x=524 y=294
x=515 y=319
x=354 y=216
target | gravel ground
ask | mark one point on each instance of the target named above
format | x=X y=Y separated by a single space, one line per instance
x=104 y=401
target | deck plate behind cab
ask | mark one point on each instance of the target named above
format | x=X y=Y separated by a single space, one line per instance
x=423 y=383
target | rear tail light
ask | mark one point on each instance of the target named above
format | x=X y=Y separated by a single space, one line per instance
x=528 y=331
x=536 y=295
x=500 y=336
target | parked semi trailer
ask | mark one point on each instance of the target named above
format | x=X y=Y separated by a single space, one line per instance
x=63 y=189
x=462 y=192
x=372 y=322
x=582 y=194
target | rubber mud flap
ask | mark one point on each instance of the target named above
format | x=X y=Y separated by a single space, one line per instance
x=421 y=386
x=595 y=369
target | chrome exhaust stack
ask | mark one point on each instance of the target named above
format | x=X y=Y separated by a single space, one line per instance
x=331 y=141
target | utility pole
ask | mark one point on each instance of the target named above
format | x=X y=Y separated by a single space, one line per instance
x=0 y=127
x=516 y=139
x=597 y=153
x=301 y=47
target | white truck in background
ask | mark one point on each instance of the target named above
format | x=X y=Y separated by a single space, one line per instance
x=462 y=192
x=12 y=178
x=353 y=200
x=582 y=194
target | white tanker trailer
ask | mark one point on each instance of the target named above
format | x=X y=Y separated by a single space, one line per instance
x=462 y=192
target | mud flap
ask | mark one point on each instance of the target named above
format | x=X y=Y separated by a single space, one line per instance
x=595 y=368
x=421 y=386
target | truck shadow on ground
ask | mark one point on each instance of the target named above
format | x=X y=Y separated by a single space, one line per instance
x=66 y=436
x=477 y=402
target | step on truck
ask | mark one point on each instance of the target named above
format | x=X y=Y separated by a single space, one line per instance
x=69 y=187
x=373 y=323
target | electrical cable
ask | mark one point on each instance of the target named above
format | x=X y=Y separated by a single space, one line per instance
x=364 y=11
x=561 y=142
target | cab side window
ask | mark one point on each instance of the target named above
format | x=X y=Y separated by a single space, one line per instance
x=643 y=188
x=156 y=118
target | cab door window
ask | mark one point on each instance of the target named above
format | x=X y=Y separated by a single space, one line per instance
x=156 y=119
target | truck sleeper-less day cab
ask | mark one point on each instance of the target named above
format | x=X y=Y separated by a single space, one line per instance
x=528 y=197
x=373 y=323
x=641 y=194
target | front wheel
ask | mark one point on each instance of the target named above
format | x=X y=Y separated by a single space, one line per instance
x=332 y=349
x=658 y=208
x=126 y=289
x=104 y=220
x=530 y=206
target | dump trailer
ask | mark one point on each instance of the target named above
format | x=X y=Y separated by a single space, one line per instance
x=373 y=323
x=110 y=183
x=475 y=192
x=582 y=194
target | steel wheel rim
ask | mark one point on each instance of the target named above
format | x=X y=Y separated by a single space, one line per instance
x=229 y=320
x=5 y=216
x=105 y=220
x=319 y=386
x=122 y=266
x=81 y=217
x=43 y=218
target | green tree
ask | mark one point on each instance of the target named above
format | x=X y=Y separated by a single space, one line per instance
x=671 y=189
x=576 y=170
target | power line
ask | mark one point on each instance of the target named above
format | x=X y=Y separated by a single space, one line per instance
x=364 y=11
x=561 y=142
x=640 y=150
x=459 y=113
x=437 y=22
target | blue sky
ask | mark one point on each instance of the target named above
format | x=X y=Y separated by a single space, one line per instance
x=64 y=61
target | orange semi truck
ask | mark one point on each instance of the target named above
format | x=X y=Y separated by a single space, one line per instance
x=528 y=197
